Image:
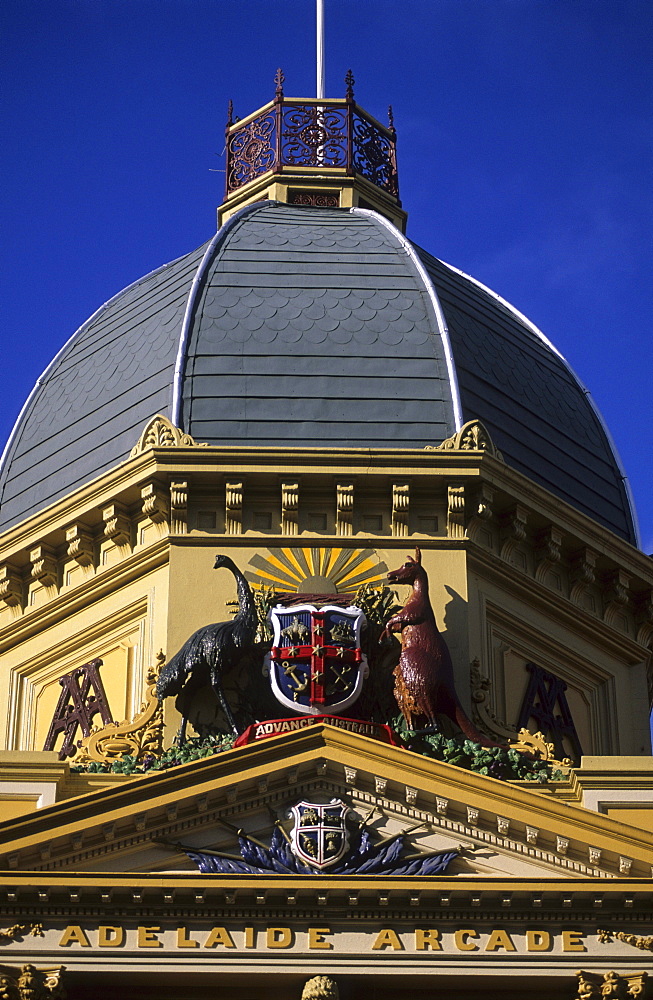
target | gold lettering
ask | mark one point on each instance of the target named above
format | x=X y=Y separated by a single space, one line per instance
x=220 y=935
x=74 y=934
x=183 y=941
x=316 y=938
x=250 y=940
x=462 y=944
x=500 y=939
x=427 y=939
x=110 y=937
x=572 y=941
x=387 y=938
x=538 y=940
x=280 y=937
x=147 y=937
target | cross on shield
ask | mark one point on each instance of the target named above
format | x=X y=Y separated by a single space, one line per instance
x=316 y=662
x=319 y=836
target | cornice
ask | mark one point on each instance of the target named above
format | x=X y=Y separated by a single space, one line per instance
x=218 y=783
x=227 y=460
x=69 y=602
x=527 y=589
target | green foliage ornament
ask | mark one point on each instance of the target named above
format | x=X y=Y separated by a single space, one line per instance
x=495 y=762
x=194 y=748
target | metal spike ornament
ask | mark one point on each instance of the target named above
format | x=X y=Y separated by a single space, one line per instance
x=279 y=79
x=349 y=81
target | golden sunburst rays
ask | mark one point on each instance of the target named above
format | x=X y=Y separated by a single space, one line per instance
x=291 y=569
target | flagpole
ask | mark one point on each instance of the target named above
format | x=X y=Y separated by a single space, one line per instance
x=320 y=48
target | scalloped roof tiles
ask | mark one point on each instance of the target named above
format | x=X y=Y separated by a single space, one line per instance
x=310 y=327
x=324 y=334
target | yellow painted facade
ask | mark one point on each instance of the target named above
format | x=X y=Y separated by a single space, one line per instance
x=95 y=875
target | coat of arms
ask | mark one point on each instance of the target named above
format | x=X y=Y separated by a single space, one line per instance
x=319 y=837
x=316 y=662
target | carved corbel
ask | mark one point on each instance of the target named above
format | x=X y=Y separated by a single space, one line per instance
x=11 y=586
x=583 y=574
x=155 y=504
x=548 y=551
x=289 y=508
x=400 y=509
x=514 y=526
x=644 y=619
x=117 y=525
x=456 y=511
x=482 y=510
x=616 y=985
x=44 y=566
x=32 y=983
x=80 y=545
x=616 y=597
x=344 y=508
x=233 y=509
x=179 y=507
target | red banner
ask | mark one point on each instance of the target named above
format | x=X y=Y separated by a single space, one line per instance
x=275 y=727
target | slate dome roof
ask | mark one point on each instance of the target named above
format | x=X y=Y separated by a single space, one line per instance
x=313 y=327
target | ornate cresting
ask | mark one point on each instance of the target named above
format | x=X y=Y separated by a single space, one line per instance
x=139 y=737
x=311 y=133
x=320 y=147
x=160 y=433
x=472 y=436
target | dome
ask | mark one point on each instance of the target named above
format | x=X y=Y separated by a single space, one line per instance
x=312 y=327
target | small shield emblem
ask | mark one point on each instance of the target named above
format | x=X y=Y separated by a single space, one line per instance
x=316 y=662
x=319 y=837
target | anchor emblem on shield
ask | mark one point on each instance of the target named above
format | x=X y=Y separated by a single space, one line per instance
x=316 y=663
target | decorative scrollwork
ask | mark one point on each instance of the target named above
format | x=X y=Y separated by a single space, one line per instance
x=314 y=135
x=329 y=134
x=138 y=737
x=314 y=199
x=160 y=433
x=250 y=151
x=472 y=436
x=535 y=745
x=30 y=983
x=17 y=931
x=373 y=154
x=636 y=940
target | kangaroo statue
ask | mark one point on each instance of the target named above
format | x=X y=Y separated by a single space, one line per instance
x=424 y=685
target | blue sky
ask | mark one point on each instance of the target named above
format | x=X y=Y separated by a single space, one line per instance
x=524 y=159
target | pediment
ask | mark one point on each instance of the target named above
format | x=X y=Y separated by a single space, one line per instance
x=144 y=824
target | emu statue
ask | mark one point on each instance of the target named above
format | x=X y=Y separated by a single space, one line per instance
x=209 y=653
x=424 y=685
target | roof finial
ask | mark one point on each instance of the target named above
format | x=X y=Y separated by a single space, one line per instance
x=349 y=80
x=391 y=119
x=230 y=113
x=278 y=79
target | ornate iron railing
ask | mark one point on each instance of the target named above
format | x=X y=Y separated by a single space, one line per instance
x=311 y=133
